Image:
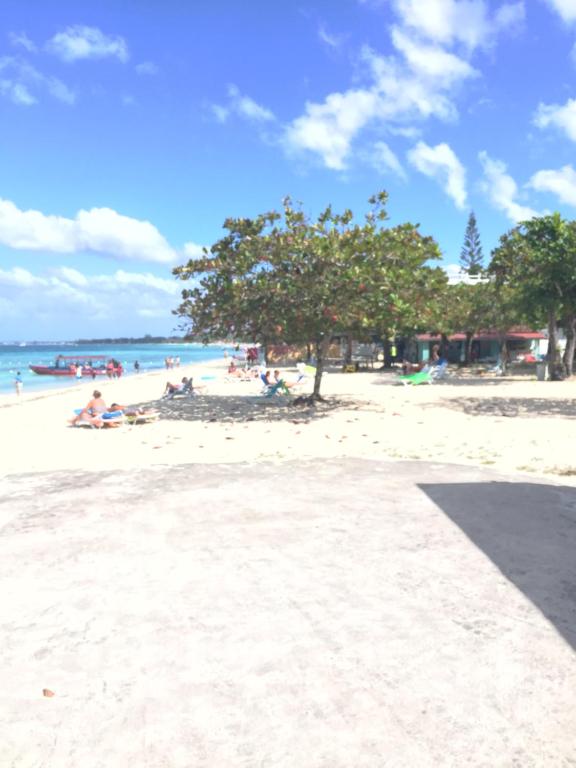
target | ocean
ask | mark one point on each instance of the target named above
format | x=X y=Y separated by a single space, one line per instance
x=14 y=357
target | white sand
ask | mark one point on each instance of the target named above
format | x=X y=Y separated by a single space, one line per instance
x=507 y=424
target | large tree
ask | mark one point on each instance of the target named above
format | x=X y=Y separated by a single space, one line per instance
x=471 y=256
x=283 y=277
x=537 y=261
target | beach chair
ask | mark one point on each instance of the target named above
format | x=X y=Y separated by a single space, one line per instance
x=421 y=377
x=279 y=388
x=187 y=390
x=141 y=416
x=109 y=419
x=439 y=371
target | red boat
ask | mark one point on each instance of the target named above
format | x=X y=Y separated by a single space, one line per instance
x=67 y=365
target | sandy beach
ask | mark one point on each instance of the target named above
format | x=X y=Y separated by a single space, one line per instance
x=384 y=580
x=509 y=424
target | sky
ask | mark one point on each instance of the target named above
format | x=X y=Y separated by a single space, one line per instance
x=129 y=131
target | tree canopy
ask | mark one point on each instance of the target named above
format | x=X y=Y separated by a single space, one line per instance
x=284 y=277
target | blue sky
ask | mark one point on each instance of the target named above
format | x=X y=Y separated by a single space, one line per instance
x=130 y=131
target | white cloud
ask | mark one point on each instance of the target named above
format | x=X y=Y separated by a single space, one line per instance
x=147 y=68
x=562 y=117
x=20 y=81
x=502 y=190
x=329 y=128
x=441 y=163
x=247 y=107
x=450 y=22
x=17 y=93
x=384 y=160
x=243 y=106
x=431 y=61
x=193 y=251
x=565 y=8
x=104 y=304
x=81 y=42
x=415 y=85
x=561 y=183
x=21 y=40
x=332 y=40
x=100 y=230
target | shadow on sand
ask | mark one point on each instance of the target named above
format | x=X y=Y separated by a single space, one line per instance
x=235 y=408
x=529 y=532
x=513 y=406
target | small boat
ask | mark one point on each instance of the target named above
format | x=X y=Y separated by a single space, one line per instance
x=66 y=365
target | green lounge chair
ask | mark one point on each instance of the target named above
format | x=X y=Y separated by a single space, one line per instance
x=421 y=377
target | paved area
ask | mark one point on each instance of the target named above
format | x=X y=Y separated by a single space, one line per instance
x=334 y=614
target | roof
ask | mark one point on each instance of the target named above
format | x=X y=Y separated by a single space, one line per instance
x=512 y=335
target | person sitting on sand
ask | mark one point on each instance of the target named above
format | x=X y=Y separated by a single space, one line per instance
x=279 y=380
x=92 y=413
x=171 y=389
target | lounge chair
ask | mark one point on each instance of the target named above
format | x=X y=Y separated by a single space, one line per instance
x=141 y=417
x=439 y=371
x=277 y=389
x=186 y=390
x=109 y=419
x=420 y=377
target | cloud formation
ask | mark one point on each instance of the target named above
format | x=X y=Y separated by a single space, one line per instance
x=242 y=106
x=440 y=163
x=502 y=190
x=99 y=230
x=105 y=302
x=561 y=183
x=22 y=83
x=565 y=8
x=81 y=42
x=384 y=160
x=419 y=81
x=558 y=116
x=465 y=22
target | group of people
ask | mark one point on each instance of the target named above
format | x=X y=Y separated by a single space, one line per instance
x=114 y=369
x=171 y=362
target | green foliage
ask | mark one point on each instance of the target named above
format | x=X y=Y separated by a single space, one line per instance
x=537 y=259
x=283 y=277
x=471 y=256
x=536 y=262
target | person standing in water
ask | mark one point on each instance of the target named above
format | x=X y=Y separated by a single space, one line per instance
x=18 y=383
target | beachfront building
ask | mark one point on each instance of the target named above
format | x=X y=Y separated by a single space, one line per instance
x=522 y=344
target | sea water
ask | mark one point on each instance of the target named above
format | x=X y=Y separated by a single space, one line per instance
x=17 y=357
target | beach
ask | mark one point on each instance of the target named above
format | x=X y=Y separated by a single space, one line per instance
x=510 y=424
x=383 y=579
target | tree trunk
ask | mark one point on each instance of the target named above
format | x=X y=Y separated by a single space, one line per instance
x=387 y=349
x=444 y=344
x=552 y=356
x=570 y=329
x=468 y=347
x=503 y=354
x=348 y=355
x=321 y=352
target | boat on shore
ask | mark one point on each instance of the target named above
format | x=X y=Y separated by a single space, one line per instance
x=67 y=365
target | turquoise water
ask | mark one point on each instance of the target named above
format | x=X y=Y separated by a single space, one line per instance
x=151 y=357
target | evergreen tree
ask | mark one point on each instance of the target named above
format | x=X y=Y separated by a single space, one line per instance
x=471 y=254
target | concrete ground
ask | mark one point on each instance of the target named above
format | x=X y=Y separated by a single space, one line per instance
x=334 y=614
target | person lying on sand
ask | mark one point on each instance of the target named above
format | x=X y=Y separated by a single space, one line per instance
x=92 y=412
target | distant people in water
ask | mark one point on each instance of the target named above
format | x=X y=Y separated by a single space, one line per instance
x=78 y=371
x=18 y=383
x=136 y=366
